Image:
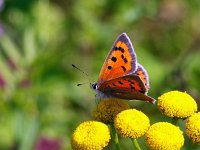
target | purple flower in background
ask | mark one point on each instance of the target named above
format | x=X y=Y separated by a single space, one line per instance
x=1 y=5
x=45 y=143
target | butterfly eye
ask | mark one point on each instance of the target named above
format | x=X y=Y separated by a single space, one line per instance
x=94 y=86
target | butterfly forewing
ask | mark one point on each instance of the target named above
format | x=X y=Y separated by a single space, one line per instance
x=120 y=61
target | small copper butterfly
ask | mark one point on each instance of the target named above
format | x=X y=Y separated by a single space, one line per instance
x=121 y=76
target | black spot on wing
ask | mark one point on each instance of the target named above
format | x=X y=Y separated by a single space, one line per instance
x=120 y=82
x=114 y=59
x=122 y=50
x=119 y=49
x=114 y=84
x=125 y=60
x=109 y=67
x=132 y=82
x=132 y=87
x=124 y=69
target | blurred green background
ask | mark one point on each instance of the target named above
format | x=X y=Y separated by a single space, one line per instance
x=40 y=104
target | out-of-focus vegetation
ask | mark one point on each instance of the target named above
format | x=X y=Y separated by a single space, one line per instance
x=40 y=104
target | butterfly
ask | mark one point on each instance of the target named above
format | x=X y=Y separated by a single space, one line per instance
x=121 y=76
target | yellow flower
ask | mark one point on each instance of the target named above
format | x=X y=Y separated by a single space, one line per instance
x=193 y=127
x=106 y=110
x=177 y=104
x=90 y=135
x=164 y=136
x=131 y=123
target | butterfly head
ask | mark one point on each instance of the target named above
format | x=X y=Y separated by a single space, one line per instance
x=94 y=85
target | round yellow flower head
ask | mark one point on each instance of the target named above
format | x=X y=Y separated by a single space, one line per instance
x=131 y=123
x=90 y=135
x=107 y=109
x=164 y=136
x=177 y=104
x=193 y=127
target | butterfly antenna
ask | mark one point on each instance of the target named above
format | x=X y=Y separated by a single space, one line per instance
x=74 y=66
x=81 y=84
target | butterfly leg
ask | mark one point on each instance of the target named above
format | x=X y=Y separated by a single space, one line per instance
x=97 y=99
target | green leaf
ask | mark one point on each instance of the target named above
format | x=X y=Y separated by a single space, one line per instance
x=11 y=50
x=5 y=72
x=30 y=134
x=29 y=45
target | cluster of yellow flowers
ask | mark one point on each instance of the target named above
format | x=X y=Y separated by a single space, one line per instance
x=90 y=135
x=132 y=123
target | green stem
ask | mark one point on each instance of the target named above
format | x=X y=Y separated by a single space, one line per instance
x=193 y=146
x=136 y=144
x=115 y=137
x=174 y=121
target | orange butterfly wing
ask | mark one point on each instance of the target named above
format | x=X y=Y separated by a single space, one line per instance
x=121 y=76
x=120 y=61
x=126 y=87
x=127 y=82
x=142 y=73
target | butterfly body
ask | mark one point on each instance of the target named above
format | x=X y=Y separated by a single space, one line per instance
x=121 y=76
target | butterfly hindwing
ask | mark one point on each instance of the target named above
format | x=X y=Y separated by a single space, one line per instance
x=120 y=61
x=126 y=87
x=142 y=73
x=125 y=82
x=129 y=94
